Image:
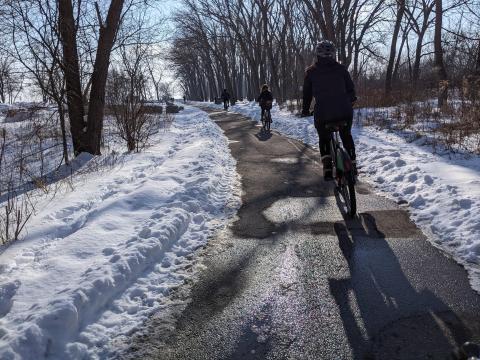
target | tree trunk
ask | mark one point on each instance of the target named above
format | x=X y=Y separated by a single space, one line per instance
x=66 y=23
x=329 y=20
x=396 y=68
x=418 y=51
x=393 y=47
x=418 y=57
x=439 y=64
x=477 y=63
x=108 y=31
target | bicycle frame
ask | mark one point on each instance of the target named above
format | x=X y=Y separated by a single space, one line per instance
x=341 y=160
x=266 y=119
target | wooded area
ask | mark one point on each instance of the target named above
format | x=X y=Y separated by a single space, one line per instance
x=387 y=45
x=84 y=71
x=64 y=51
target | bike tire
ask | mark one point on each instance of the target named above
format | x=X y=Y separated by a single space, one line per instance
x=269 y=121
x=350 y=197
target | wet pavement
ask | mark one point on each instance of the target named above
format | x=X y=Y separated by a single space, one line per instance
x=294 y=278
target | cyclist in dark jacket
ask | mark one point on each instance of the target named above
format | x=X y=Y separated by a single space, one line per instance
x=225 y=98
x=265 y=99
x=332 y=87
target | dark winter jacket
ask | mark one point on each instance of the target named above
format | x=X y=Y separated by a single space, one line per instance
x=225 y=96
x=331 y=85
x=265 y=99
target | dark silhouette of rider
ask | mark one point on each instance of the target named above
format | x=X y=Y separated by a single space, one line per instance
x=226 y=98
x=265 y=99
x=332 y=87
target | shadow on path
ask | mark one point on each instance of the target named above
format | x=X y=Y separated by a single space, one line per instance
x=384 y=316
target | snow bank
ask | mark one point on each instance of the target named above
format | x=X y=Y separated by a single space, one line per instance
x=441 y=190
x=99 y=260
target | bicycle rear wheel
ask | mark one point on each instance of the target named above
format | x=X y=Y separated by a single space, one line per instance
x=268 y=120
x=348 y=192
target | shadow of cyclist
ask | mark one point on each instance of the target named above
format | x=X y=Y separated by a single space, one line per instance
x=384 y=315
x=263 y=135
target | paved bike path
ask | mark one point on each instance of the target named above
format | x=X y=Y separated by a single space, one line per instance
x=291 y=278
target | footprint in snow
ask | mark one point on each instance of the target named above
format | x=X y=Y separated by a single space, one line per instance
x=409 y=190
x=7 y=292
x=412 y=177
x=465 y=203
x=145 y=233
x=428 y=179
x=198 y=219
x=388 y=166
x=108 y=251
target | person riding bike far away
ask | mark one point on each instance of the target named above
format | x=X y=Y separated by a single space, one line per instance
x=225 y=98
x=265 y=99
x=331 y=85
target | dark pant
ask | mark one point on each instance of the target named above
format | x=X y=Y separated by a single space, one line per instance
x=324 y=139
x=264 y=109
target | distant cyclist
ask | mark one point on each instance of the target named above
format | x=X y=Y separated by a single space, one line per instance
x=331 y=85
x=265 y=99
x=226 y=98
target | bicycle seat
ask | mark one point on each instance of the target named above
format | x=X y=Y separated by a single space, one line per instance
x=335 y=126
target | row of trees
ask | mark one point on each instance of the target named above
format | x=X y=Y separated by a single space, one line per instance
x=65 y=50
x=240 y=44
x=84 y=59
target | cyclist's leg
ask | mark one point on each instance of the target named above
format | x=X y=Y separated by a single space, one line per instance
x=348 y=143
x=324 y=145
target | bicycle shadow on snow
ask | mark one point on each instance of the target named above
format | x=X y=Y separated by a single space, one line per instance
x=383 y=314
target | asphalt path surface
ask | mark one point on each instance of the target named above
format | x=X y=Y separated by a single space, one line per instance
x=294 y=278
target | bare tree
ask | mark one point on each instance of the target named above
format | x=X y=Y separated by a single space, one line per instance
x=10 y=81
x=400 y=11
x=37 y=48
x=126 y=98
x=86 y=135
x=439 y=64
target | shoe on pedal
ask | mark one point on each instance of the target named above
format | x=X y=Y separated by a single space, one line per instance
x=327 y=167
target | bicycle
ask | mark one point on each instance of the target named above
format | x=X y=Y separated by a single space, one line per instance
x=343 y=170
x=266 y=117
x=225 y=105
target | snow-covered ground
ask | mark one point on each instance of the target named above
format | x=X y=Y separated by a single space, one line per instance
x=98 y=260
x=442 y=190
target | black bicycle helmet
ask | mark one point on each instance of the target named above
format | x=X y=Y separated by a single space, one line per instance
x=326 y=49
